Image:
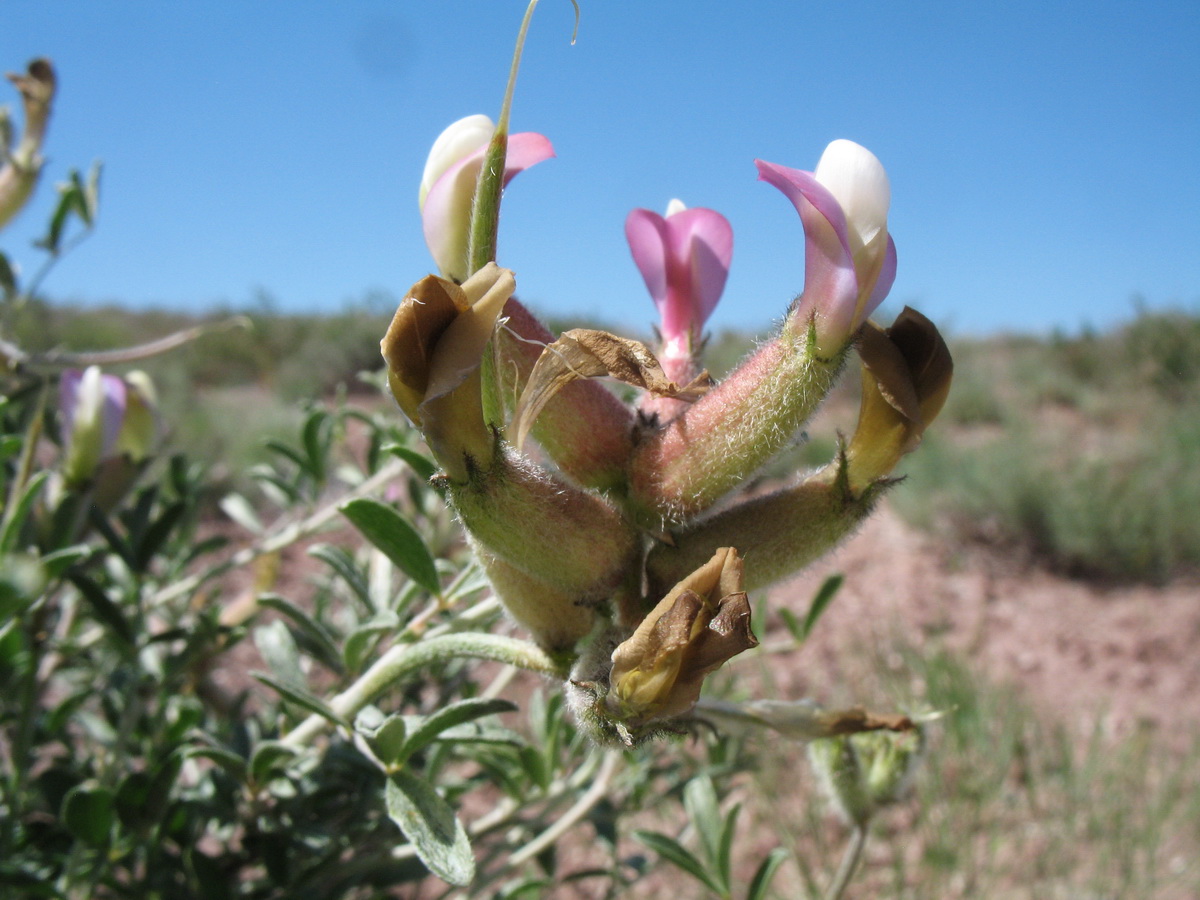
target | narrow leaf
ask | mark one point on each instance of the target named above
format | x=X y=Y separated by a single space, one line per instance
x=435 y=831
x=704 y=812
x=226 y=759
x=384 y=527
x=422 y=465
x=355 y=649
x=238 y=508
x=88 y=812
x=278 y=648
x=764 y=875
x=825 y=593
x=58 y=561
x=480 y=733
x=104 y=608
x=426 y=730
x=724 y=859
x=268 y=758
x=674 y=852
x=301 y=698
x=318 y=638
x=20 y=512
x=386 y=736
x=340 y=560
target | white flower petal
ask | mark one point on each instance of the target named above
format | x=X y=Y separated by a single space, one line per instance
x=459 y=140
x=854 y=176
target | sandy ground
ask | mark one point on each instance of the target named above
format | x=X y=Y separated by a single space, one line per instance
x=1126 y=654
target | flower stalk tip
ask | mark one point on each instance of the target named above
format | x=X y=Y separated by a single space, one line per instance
x=23 y=163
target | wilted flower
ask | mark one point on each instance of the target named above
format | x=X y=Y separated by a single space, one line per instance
x=105 y=417
x=906 y=377
x=684 y=259
x=434 y=349
x=448 y=185
x=704 y=621
x=23 y=163
x=850 y=259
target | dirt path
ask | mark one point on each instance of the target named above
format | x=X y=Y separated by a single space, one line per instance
x=1129 y=654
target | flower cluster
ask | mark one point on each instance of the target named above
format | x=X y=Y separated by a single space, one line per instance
x=615 y=533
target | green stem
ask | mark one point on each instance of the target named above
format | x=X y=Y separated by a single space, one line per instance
x=405 y=658
x=850 y=858
x=485 y=210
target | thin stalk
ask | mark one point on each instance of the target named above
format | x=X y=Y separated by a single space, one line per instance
x=402 y=659
x=850 y=858
x=485 y=210
x=567 y=820
x=19 y=359
x=287 y=536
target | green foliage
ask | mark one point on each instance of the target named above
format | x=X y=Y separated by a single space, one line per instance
x=143 y=759
x=1080 y=450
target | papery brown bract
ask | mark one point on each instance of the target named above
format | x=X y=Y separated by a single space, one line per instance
x=658 y=671
x=907 y=372
x=434 y=351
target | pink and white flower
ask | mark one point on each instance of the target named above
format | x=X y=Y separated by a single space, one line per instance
x=850 y=259
x=684 y=259
x=448 y=185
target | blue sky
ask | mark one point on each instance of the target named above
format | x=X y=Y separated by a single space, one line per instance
x=1044 y=156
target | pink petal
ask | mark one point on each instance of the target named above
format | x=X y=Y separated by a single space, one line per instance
x=684 y=260
x=646 y=232
x=446 y=213
x=887 y=276
x=702 y=241
x=524 y=150
x=830 y=281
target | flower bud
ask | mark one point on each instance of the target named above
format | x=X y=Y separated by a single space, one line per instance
x=110 y=427
x=93 y=407
x=906 y=377
x=704 y=621
x=864 y=772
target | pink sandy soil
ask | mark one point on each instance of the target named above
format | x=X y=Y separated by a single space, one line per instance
x=1125 y=656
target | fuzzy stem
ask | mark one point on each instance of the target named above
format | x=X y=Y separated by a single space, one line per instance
x=402 y=659
x=682 y=469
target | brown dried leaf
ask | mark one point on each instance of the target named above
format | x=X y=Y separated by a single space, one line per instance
x=588 y=353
